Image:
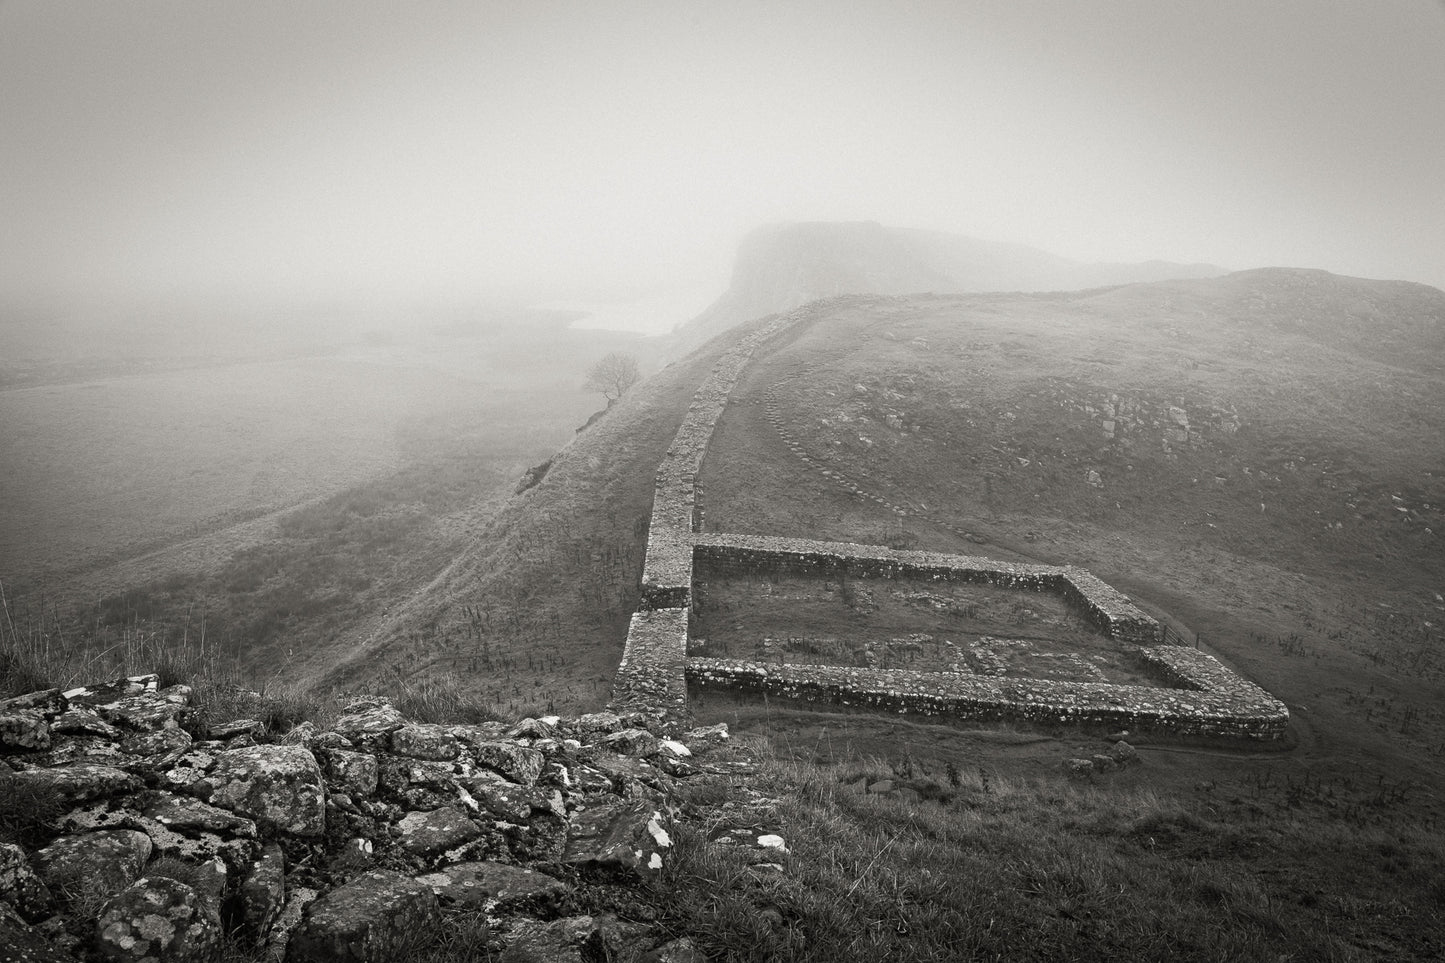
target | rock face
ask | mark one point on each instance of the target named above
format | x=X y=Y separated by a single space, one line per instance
x=340 y=844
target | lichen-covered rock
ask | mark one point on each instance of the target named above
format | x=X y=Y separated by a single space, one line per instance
x=433 y=833
x=372 y=919
x=184 y=813
x=627 y=838
x=93 y=864
x=158 y=742
x=599 y=722
x=496 y=886
x=19 y=884
x=157 y=918
x=24 y=729
x=278 y=786
x=47 y=701
x=1124 y=754
x=521 y=764
x=369 y=722
x=421 y=741
x=262 y=893
x=80 y=782
x=83 y=722
x=350 y=771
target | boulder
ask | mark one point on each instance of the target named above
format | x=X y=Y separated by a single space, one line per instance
x=372 y=919
x=93 y=864
x=157 y=918
x=278 y=786
x=1124 y=754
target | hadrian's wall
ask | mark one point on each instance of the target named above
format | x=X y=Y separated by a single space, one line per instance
x=655 y=671
x=1229 y=707
x=1108 y=609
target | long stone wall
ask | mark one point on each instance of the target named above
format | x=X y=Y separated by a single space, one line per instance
x=1229 y=706
x=655 y=671
x=1107 y=608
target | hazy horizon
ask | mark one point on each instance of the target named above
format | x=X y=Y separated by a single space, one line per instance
x=358 y=152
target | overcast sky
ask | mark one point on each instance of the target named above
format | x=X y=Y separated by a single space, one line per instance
x=300 y=149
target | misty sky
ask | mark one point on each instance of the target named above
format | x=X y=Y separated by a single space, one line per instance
x=301 y=149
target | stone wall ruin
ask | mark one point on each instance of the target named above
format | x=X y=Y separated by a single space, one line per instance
x=1207 y=699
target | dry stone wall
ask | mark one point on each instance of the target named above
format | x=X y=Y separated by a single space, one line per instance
x=1229 y=706
x=139 y=826
x=1107 y=608
x=655 y=670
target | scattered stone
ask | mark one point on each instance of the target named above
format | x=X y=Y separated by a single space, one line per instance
x=178 y=812
x=1124 y=754
x=772 y=841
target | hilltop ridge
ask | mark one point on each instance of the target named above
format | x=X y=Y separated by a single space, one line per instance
x=783 y=266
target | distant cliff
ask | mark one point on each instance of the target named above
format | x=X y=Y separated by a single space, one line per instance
x=782 y=266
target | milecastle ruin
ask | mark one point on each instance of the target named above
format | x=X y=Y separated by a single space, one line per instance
x=1196 y=695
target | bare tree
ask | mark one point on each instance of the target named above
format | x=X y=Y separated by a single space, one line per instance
x=612 y=376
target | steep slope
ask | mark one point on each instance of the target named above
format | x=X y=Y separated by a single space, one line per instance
x=782 y=266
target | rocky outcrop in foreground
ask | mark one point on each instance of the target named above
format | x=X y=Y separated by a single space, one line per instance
x=131 y=831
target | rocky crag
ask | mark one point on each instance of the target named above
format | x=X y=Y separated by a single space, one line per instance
x=136 y=830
